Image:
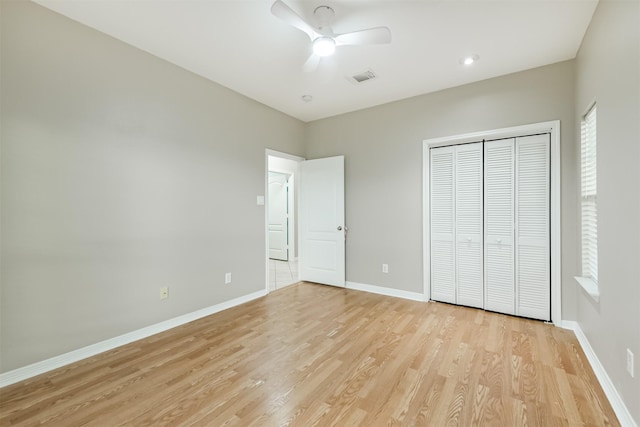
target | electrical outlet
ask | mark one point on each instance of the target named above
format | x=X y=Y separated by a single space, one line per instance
x=630 y=362
x=164 y=293
x=227 y=278
x=385 y=268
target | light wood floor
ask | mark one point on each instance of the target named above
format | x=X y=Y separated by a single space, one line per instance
x=317 y=355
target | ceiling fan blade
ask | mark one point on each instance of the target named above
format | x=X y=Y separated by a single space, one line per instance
x=377 y=35
x=280 y=10
x=311 y=64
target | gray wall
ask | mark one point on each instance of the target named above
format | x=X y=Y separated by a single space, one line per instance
x=120 y=174
x=383 y=163
x=608 y=71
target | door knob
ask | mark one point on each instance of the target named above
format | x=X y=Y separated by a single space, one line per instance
x=339 y=228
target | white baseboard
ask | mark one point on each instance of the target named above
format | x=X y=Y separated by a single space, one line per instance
x=47 y=365
x=414 y=296
x=623 y=414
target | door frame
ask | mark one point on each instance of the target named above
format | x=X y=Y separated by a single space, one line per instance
x=552 y=127
x=282 y=155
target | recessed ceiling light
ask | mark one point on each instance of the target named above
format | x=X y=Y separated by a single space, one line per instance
x=307 y=98
x=324 y=46
x=468 y=60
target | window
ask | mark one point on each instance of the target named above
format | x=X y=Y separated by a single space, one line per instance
x=589 y=211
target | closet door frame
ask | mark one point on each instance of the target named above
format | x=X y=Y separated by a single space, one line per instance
x=551 y=127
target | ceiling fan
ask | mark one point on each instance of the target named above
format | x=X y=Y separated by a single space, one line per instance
x=323 y=38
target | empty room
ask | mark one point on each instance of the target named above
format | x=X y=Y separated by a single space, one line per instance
x=330 y=213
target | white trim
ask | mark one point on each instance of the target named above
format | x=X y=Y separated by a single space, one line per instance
x=621 y=410
x=381 y=290
x=268 y=152
x=510 y=132
x=47 y=365
x=589 y=286
x=556 y=234
x=426 y=220
x=551 y=126
x=282 y=155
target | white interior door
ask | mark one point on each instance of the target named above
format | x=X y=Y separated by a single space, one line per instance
x=321 y=221
x=278 y=216
x=469 y=206
x=456 y=224
x=520 y=218
x=443 y=267
x=499 y=222
x=533 y=269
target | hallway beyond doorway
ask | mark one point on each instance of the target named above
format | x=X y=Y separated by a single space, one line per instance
x=282 y=273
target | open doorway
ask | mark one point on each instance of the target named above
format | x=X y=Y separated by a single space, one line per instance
x=281 y=219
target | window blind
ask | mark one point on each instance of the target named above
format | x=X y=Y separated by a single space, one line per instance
x=589 y=197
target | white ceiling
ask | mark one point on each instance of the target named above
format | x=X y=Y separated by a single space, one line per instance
x=240 y=45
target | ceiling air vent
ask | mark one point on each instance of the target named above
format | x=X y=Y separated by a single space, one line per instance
x=363 y=77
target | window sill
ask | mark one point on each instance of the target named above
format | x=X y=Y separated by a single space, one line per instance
x=589 y=286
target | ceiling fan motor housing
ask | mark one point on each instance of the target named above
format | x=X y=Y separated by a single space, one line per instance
x=324 y=17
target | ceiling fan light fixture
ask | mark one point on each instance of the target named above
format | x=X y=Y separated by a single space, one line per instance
x=324 y=46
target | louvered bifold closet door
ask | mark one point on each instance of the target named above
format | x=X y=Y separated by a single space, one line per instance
x=468 y=207
x=533 y=286
x=499 y=188
x=442 y=182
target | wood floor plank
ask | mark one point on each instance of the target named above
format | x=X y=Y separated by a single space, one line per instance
x=310 y=355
